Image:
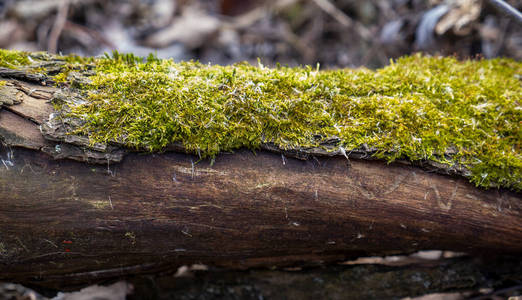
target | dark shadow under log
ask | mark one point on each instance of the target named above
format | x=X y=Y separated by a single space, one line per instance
x=471 y=277
x=467 y=277
x=66 y=220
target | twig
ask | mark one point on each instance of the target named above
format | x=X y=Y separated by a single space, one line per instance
x=298 y=44
x=508 y=10
x=59 y=23
x=253 y=16
x=342 y=18
x=333 y=11
x=81 y=31
x=54 y=245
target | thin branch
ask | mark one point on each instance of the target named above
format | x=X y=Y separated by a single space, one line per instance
x=335 y=12
x=342 y=18
x=56 y=31
x=508 y=10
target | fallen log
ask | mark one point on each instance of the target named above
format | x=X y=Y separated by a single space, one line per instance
x=74 y=212
x=66 y=219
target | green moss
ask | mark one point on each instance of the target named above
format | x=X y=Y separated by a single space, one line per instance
x=77 y=60
x=13 y=59
x=61 y=77
x=453 y=112
x=419 y=108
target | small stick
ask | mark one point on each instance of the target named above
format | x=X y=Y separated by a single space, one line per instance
x=508 y=10
x=341 y=17
x=56 y=31
x=333 y=11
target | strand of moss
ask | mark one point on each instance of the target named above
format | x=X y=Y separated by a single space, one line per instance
x=418 y=107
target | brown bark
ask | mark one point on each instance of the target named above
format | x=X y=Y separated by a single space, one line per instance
x=67 y=220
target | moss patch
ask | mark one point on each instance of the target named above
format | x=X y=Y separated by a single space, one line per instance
x=13 y=59
x=453 y=112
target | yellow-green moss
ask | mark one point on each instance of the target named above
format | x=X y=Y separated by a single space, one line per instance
x=13 y=59
x=419 y=108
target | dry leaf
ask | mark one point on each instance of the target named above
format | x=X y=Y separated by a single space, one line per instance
x=116 y=291
x=459 y=18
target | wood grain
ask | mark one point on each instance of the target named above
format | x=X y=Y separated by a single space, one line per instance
x=70 y=219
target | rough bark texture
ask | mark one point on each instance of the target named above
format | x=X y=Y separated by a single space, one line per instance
x=67 y=220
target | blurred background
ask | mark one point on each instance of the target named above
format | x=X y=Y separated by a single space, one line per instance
x=335 y=33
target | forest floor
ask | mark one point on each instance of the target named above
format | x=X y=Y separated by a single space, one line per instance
x=336 y=34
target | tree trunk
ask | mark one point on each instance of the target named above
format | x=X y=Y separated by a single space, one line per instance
x=105 y=215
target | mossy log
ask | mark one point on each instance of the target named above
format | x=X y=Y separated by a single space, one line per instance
x=76 y=213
